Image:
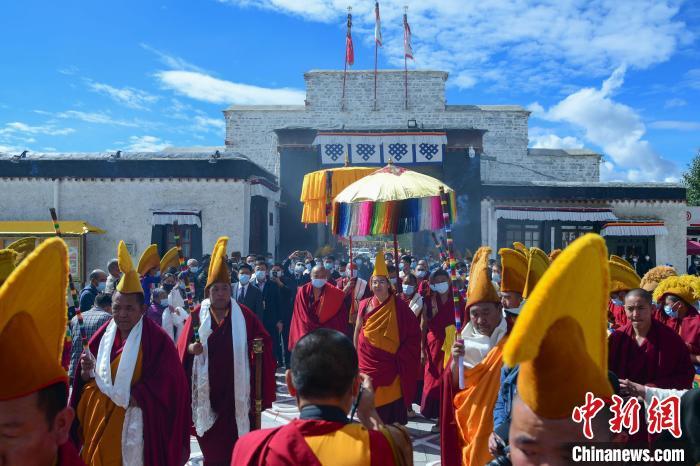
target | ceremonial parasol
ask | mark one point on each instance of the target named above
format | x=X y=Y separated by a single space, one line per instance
x=320 y=187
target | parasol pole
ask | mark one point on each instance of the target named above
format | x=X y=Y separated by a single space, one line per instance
x=396 y=252
x=453 y=277
x=74 y=296
x=349 y=268
x=258 y=351
x=183 y=274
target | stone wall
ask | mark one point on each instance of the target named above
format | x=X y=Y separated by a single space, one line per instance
x=123 y=208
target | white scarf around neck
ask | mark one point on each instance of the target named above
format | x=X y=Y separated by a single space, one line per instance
x=477 y=346
x=202 y=412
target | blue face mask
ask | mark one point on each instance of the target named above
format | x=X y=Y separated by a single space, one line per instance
x=358 y=261
x=181 y=285
x=618 y=302
x=158 y=274
x=670 y=312
x=244 y=278
x=164 y=303
x=401 y=266
x=101 y=286
x=318 y=282
x=328 y=265
x=194 y=269
x=496 y=277
x=408 y=289
x=260 y=275
x=440 y=288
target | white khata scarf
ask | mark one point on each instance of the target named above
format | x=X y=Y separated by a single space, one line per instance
x=202 y=413
x=119 y=390
x=477 y=346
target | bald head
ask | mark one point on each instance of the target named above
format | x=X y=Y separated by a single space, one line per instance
x=319 y=271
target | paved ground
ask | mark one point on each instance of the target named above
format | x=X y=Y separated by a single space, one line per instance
x=426 y=445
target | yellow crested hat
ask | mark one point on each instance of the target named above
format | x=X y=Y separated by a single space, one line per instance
x=33 y=321
x=654 y=276
x=514 y=274
x=553 y=254
x=130 y=282
x=218 y=267
x=22 y=247
x=7 y=263
x=170 y=259
x=537 y=265
x=564 y=320
x=684 y=287
x=622 y=277
x=620 y=260
x=380 y=268
x=481 y=289
x=521 y=248
x=148 y=260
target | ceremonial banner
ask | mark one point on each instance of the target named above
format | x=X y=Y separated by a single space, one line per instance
x=378 y=148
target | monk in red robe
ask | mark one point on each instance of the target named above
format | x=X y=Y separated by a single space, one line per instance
x=221 y=366
x=387 y=337
x=35 y=418
x=324 y=378
x=622 y=279
x=355 y=288
x=130 y=394
x=437 y=324
x=318 y=304
x=676 y=310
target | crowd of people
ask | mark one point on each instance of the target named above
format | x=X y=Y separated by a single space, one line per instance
x=499 y=353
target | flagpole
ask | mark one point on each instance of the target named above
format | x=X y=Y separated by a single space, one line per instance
x=376 y=48
x=405 y=59
x=345 y=65
x=375 y=75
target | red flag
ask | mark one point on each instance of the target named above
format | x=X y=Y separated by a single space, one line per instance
x=349 y=50
x=407 y=48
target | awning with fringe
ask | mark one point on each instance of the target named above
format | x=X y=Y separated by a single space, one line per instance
x=183 y=217
x=564 y=214
x=634 y=229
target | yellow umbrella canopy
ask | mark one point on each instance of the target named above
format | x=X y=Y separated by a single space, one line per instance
x=392 y=200
x=320 y=187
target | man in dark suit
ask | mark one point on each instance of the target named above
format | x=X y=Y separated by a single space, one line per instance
x=244 y=292
x=288 y=291
x=271 y=318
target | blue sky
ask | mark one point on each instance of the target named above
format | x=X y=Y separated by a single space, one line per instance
x=618 y=76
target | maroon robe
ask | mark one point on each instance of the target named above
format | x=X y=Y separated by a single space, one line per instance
x=616 y=314
x=438 y=321
x=661 y=361
x=161 y=393
x=68 y=456
x=285 y=446
x=305 y=317
x=688 y=327
x=217 y=443
x=383 y=367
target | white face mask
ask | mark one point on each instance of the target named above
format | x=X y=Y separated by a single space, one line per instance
x=421 y=273
x=440 y=288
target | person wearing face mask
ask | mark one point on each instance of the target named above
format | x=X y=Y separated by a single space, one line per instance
x=247 y=294
x=437 y=323
x=404 y=266
x=355 y=288
x=295 y=267
x=410 y=295
x=514 y=265
x=622 y=279
x=194 y=272
x=148 y=269
x=387 y=337
x=318 y=304
x=677 y=297
x=98 y=283
x=93 y=319
x=333 y=274
x=363 y=268
x=394 y=279
x=271 y=315
x=159 y=303
x=175 y=314
x=496 y=273
x=423 y=276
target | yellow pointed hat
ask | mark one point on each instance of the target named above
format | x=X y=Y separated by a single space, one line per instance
x=564 y=320
x=656 y=275
x=22 y=247
x=170 y=259
x=684 y=287
x=622 y=277
x=148 y=260
x=620 y=260
x=130 y=282
x=218 y=268
x=481 y=289
x=7 y=263
x=537 y=265
x=380 y=268
x=520 y=247
x=553 y=254
x=33 y=321
x=514 y=265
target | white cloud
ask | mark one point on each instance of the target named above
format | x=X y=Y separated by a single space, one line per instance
x=692 y=78
x=97 y=118
x=528 y=43
x=207 y=88
x=146 y=144
x=552 y=141
x=203 y=123
x=614 y=127
x=17 y=127
x=172 y=61
x=128 y=96
x=675 y=102
x=676 y=125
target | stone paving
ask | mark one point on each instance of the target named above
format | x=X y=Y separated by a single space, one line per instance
x=426 y=445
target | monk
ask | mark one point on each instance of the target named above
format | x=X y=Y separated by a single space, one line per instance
x=466 y=417
x=564 y=320
x=131 y=394
x=35 y=418
x=324 y=379
x=676 y=297
x=437 y=323
x=355 y=288
x=148 y=269
x=387 y=337
x=318 y=304
x=220 y=365
x=622 y=279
